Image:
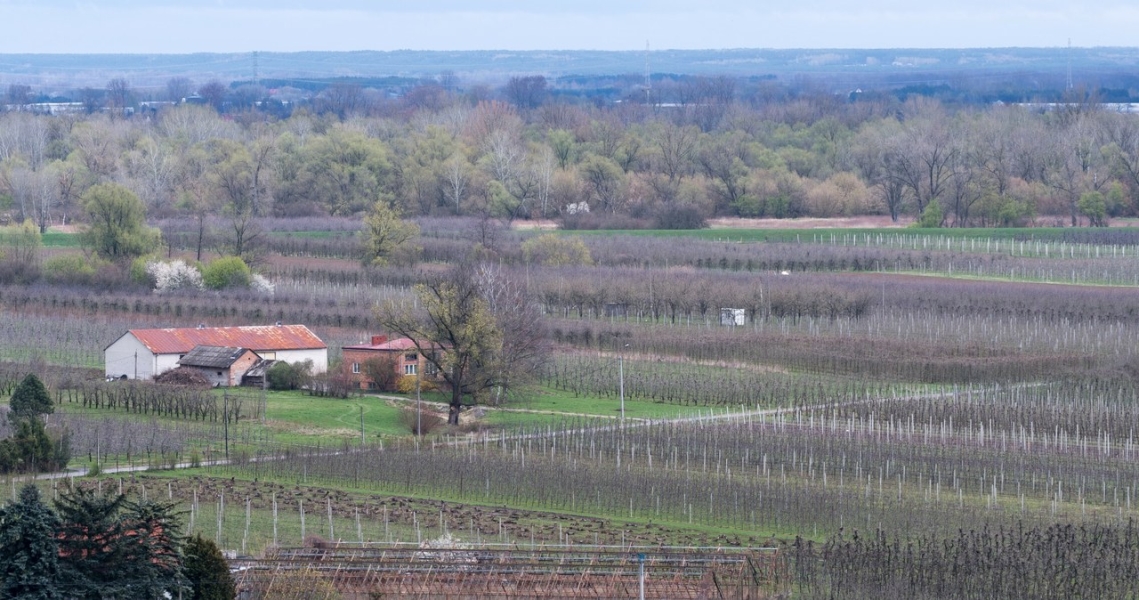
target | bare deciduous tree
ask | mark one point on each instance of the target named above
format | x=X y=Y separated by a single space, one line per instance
x=457 y=172
x=343 y=99
x=526 y=92
x=1075 y=163
x=19 y=94
x=177 y=88
x=214 y=93
x=478 y=328
x=119 y=96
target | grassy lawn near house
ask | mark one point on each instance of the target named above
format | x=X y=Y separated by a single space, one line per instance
x=294 y=418
x=298 y=414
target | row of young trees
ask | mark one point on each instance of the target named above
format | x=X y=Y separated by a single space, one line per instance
x=988 y=166
x=1023 y=561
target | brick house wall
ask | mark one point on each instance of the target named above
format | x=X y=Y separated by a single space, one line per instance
x=240 y=366
x=406 y=359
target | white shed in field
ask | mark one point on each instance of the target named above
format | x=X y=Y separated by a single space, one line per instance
x=144 y=353
x=732 y=317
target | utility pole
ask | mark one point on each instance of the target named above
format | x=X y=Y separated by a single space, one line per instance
x=641 y=561
x=225 y=421
x=621 y=375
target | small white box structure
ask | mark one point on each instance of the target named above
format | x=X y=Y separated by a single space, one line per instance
x=731 y=317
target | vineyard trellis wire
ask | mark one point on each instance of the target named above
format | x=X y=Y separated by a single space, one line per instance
x=556 y=572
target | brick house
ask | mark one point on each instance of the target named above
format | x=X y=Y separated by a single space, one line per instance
x=401 y=352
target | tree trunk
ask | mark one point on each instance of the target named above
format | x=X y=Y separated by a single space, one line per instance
x=453 y=413
x=456 y=403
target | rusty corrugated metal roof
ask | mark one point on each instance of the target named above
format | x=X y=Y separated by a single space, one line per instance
x=399 y=344
x=258 y=338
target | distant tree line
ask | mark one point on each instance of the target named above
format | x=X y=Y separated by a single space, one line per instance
x=696 y=148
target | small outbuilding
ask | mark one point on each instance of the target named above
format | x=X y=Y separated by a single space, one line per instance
x=258 y=375
x=221 y=365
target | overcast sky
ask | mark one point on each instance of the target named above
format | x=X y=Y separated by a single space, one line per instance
x=179 y=26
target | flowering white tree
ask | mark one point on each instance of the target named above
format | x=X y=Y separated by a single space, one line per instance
x=577 y=208
x=176 y=275
x=260 y=284
x=173 y=276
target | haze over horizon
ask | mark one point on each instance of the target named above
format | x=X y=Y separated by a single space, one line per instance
x=182 y=26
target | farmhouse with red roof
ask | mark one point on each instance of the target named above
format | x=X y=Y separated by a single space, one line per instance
x=400 y=352
x=144 y=353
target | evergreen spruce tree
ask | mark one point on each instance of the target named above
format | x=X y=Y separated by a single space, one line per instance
x=30 y=449
x=153 y=561
x=30 y=399
x=113 y=548
x=207 y=572
x=92 y=545
x=29 y=555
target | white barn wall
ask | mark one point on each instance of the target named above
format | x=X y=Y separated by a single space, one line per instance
x=319 y=358
x=166 y=362
x=120 y=359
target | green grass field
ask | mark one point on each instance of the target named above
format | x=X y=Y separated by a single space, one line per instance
x=57 y=239
x=51 y=239
x=296 y=414
x=824 y=235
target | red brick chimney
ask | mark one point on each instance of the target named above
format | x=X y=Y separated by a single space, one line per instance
x=379 y=339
